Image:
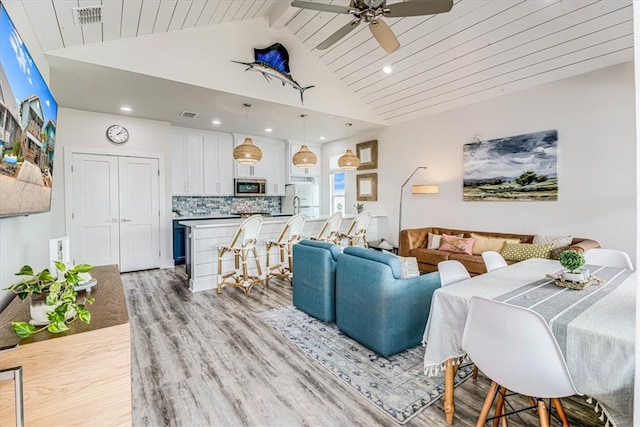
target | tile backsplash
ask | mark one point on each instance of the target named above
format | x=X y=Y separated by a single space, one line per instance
x=193 y=206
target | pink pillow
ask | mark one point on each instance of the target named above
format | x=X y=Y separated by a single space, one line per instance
x=458 y=245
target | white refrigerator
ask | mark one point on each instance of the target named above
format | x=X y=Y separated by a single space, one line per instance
x=308 y=195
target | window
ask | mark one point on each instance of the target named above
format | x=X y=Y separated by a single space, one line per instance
x=337 y=192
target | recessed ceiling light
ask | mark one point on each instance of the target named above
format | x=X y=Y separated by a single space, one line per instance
x=216 y=122
x=268 y=130
x=125 y=108
x=387 y=69
x=322 y=138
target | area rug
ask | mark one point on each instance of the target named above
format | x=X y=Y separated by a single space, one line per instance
x=396 y=385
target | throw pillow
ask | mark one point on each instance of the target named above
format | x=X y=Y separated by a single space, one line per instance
x=435 y=240
x=455 y=244
x=409 y=267
x=558 y=241
x=489 y=243
x=522 y=251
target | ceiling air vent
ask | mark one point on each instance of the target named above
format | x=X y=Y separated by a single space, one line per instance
x=188 y=114
x=87 y=15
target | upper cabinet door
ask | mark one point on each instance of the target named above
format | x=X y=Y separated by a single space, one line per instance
x=273 y=156
x=218 y=165
x=186 y=165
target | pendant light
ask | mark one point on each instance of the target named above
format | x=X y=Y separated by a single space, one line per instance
x=247 y=153
x=304 y=158
x=348 y=161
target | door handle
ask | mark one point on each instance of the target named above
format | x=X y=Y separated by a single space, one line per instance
x=125 y=220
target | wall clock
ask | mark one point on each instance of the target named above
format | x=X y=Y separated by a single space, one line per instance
x=117 y=134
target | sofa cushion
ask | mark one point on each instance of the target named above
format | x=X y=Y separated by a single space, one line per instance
x=489 y=243
x=430 y=256
x=523 y=251
x=459 y=245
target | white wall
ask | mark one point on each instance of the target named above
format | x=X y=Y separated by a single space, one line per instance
x=86 y=131
x=23 y=240
x=595 y=118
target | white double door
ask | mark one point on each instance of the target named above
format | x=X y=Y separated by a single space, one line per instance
x=116 y=211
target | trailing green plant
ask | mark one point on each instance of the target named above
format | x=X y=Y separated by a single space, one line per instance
x=59 y=294
x=572 y=260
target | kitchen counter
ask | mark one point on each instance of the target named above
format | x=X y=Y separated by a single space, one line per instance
x=204 y=236
x=211 y=222
x=216 y=217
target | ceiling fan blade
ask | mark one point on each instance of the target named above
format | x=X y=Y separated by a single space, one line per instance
x=384 y=35
x=418 y=8
x=338 y=34
x=323 y=7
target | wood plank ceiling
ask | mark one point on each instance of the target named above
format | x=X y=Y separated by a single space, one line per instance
x=479 y=50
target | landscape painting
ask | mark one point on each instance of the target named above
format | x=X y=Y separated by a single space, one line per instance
x=523 y=167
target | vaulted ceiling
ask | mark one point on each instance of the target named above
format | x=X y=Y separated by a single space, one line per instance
x=478 y=50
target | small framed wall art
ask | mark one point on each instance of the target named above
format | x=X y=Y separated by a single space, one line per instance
x=367 y=187
x=367 y=152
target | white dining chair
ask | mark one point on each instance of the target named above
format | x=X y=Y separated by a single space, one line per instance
x=530 y=364
x=493 y=260
x=452 y=271
x=608 y=258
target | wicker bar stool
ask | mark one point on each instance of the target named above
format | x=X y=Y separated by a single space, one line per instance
x=330 y=230
x=357 y=230
x=243 y=244
x=290 y=235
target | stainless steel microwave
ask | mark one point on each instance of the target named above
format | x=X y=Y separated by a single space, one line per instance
x=250 y=187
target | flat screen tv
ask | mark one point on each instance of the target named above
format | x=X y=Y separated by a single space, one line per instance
x=28 y=116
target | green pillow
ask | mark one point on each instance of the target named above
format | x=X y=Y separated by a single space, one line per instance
x=522 y=251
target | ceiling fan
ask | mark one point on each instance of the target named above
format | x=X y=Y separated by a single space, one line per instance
x=370 y=12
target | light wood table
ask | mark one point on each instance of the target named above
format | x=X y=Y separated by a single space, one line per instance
x=79 y=377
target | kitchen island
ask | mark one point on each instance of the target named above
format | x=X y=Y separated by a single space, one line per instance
x=204 y=236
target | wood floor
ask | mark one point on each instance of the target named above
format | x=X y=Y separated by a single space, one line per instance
x=207 y=360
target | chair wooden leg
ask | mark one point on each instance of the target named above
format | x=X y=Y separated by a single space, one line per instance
x=474 y=376
x=543 y=413
x=500 y=409
x=560 y=410
x=488 y=401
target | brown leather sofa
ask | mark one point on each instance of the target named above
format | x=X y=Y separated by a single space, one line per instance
x=413 y=243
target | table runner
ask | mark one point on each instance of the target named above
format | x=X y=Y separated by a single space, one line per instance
x=595 y=327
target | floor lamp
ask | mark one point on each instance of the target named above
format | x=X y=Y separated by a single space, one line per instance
x=416 y=189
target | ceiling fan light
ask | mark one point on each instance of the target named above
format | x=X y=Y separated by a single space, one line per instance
x=348 y=161
x=304 y=158
x=247 y=153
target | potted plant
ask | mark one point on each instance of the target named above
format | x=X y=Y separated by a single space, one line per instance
x=54 y=301
x=573 y=261
x=359 y=207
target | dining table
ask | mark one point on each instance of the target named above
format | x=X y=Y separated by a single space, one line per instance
x=594 y=328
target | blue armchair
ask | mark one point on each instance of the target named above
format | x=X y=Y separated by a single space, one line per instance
x=314 y=278
x=375 y=306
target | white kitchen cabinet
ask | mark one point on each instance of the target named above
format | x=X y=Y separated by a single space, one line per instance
x=186 y=165
x=314 y=171
x=218 y=165
x=273 y=156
